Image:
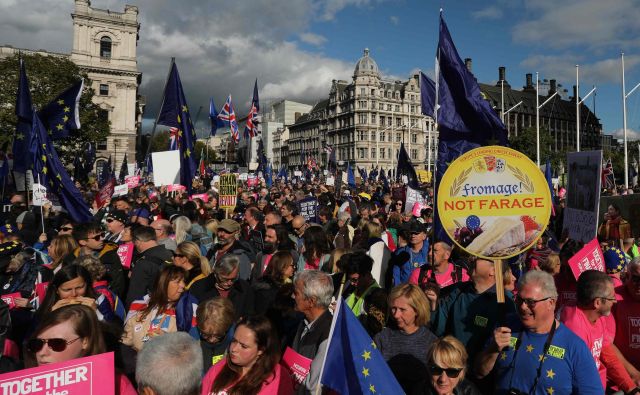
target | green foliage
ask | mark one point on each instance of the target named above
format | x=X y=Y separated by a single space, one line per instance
x=525 y=142
x=209 y=153
x=48 y=77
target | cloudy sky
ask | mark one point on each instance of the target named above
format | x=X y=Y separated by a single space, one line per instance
x=296 y=47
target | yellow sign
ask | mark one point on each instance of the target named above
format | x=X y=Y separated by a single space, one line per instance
x=228 y=191
x=423 y=175
x=494 y=202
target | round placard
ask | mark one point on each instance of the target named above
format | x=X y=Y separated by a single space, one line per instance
x=494 y=202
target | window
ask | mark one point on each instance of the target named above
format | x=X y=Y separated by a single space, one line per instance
x=362 y=91
x=398 y=122
x=362 y=119
x=362 y=135
x=414 y=154
x=381 y=121
x=381 y=106
x=382 y=136
x=102 y=145
x=105 y=47
x=413 y=109
x=373 y=92
x=397 y=108
x=103 y=116
x=104 y=90
x=373 y=153
x=381 y=153
x=397 y=137
x=362 y=104
x=414 y=138
x=373 y=136
x=388 y=107
x=389 y=121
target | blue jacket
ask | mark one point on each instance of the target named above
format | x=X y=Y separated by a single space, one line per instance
x=402 y=272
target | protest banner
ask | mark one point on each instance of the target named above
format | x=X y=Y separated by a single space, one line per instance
x=125 y=253
x=105 y=193
x=629 y=206
x=296 y=365
x=494 y=202
x=132 y=181
x=583 y=195
x=203 y=196
x=413 y=196
x=10 y=299
x=308 y=208
x=176 y=188
x=423 y=175
x=120 y=190
x=297 y=173
x=228 y=191
x=39 y=195
x=252 y=181
x=166 y=167
x=89 y=375
x=590 y=257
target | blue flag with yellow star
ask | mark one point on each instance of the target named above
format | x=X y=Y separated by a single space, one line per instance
x=175 y=114
x=50 y=172
x=24 y=112
x=353 y=364
x=63 y=113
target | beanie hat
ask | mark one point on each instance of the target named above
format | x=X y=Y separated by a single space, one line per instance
x=614 y=260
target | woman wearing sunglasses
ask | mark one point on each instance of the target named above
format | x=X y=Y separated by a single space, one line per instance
x=68 y=333
x=446 y=368
x=188 y=257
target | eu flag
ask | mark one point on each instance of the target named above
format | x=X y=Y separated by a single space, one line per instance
x=50 y=172
x=283 y=174
x=216 y=122
x=62 y=113
x=175 y=114
x=363 y=173
x=268 y=176
x=351 y=178
x=353 y=364
x=24 y=112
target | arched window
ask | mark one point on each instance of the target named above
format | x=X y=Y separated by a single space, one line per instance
x=105 y=47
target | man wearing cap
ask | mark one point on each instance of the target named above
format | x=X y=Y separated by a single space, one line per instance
x=115 y=226
x=413 y=255
x=228 y=231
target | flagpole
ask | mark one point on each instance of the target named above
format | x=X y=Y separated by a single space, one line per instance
x=577 y=108
x=624 y=123
x=155 y=123
x=537 y=121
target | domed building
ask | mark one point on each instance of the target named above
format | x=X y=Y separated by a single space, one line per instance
x=365 y=121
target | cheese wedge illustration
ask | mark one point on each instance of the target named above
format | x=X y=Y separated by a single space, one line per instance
x=505 y=232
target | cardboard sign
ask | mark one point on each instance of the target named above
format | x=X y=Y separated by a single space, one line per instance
x=166 y=167
x=125 y=253
x=176 y=187
x=120 y=190
x=297 y=365
x=494 y=202
x=308 y=208
x=10 y=299
x=90 y=375
x=413 y=196
x=243 y=176
x=590 y=257
x=39 y=195
x=41 y=291
x=228 y=191
x=583 y=194
x=132 y=181
x=105 y=193
x=330 y=181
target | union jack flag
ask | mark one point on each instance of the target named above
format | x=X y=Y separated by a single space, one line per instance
x=251 y=128
x=608 y=178
x=174 y=134
x=228 y=115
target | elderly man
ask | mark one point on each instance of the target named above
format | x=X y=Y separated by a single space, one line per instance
x=228 y=231
x=445 y=273
x=163 y=231
x=627 y=316
x=170 y=364
x=272 y=218
x=537 y=354
x=224 y=281
x=312 y=293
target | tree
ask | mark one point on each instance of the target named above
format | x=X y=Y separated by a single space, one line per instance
x=525 y=142
x=48 y=77
x=209 y=153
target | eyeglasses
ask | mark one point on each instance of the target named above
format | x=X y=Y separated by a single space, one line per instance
x=211 y=337
x=66 y=228
x=97 y=237
x=178 y=255
x=607 y=298
x=452 y=373
x=56 y=344
x=223 y=280
x=531 y=303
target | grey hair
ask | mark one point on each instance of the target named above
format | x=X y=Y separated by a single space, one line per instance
x=446 y=246
x=170 y=364
x=344 y=216
x=227 y=264
x=183 y=227
x=317 y=285
x=542 y=279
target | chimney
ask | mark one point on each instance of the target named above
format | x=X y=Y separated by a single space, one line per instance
x=575 y=93
x=528 y=87
x=296 y=116
x=501 y=77
x=553 y=88
x=468 y=63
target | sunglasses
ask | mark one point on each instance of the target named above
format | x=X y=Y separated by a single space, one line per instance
x=57 y=345
x=110 y=220
x=452 y=373
x=178 y=255
x=66 y=228
x=97 y=237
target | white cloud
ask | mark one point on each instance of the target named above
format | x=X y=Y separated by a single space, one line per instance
x=394 y=19
x=632 y=134
x=492 y=13
x=313 y=39
x=329 y=8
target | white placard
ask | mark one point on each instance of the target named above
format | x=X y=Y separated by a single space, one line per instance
x=297 y=173
x=166 y=167
x=39 y=195
x=331 y=181
x=243 y=176
x=121 y=190
x=583 y=194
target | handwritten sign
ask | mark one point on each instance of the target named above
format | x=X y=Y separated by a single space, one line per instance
x=39 y=195
x=132 y=181
x=330 y=181
x=297 y=365
x=308 y=208
x=494 y=202
x=583 y=194
x=105 y=193
x=590 y=257
x=90 y=375
x=413 y=196
x=10 y=299
x=228 y=191
x=120 y=190
x=125 y=253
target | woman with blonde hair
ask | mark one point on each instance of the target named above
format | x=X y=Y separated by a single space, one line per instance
x=551 y=265
x=60 y=247
x=405 y=342
x=188 y=257
x=182 y=229
x=215 y=319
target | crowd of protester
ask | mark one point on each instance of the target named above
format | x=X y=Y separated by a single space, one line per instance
x=213 y=298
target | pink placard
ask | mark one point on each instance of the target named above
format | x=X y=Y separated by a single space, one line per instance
x=125 y=253
x=590 y=257
x=132 y=181
x=10 y=299
x=297 y=365
x=105 y=193
x=252 y=181
x=176 y=187
x=41 y=291
x=203 y=196
x=83 y=376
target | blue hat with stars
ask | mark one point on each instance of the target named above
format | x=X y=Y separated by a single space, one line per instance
x=614 y=260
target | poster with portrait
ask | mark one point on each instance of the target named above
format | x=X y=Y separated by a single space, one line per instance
x=583 y=195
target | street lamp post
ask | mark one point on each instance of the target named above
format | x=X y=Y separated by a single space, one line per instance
x=624 y=123
x=538 y=107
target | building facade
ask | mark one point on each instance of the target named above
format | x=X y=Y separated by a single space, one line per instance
x=280 y=114
x=365 y=121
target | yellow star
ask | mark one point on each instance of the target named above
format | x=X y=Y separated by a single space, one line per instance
x=550 y=373
x=366 y=355
x=503 y=356
x=61 y=102
x=20 y=136
x=59 y=177
x=184 y=109
x=67 y=109
x=550 y=391
x=179 y=133
x=365 y=372
x=65 y=118
x=373 y=344
x=59 y=126
x=44 y=170
x=540 y=358
x=50 y=132
x=187 y=152
x=44 y=158
x=179 y=118
x=372 y=388
x=529 y=348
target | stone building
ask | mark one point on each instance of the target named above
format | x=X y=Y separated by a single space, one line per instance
x=365 y=121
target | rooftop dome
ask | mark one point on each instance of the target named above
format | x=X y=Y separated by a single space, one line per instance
x=366 y=65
